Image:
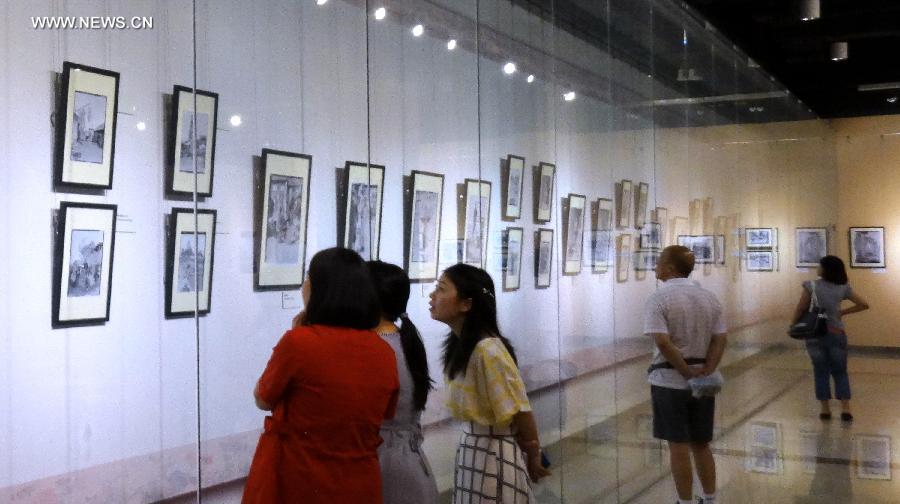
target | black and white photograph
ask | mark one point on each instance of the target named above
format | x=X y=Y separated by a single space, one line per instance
x=640 y=208
x=812 y=245
x=283 y=203
x=867 y=247
x=574 y=236
x=515 y=177
x=651 y=236
x=761 y=238
x=764 y=448
x=189 y=262
x=760 y=260
x=424 y=225
x=544 y=203
x=874 y=457
x=512 y=258
x=720 y=250
x=192 y=141
x=661 y=216
x=645 y=260
x=85 y=147
x=543 y=258
x=477 y=217
x=623 y=259
x=703 y=247
x=624 y=203
x=82 y=263
x=601 y=250
x=604 y=213
x=362 y=214
x=85 y=262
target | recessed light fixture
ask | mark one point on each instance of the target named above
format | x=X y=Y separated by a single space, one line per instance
x=509 y=68
x=451 y=44
x=810 y=10
x=838 y=51
x=530 y=79
x=235 y=120
x=380 y=13
x=321 y=2
x=892 y=99
x=141 y=126
x=418 y=30
x=569 y=96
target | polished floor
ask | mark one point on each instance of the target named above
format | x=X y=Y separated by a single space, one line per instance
x=770 y=445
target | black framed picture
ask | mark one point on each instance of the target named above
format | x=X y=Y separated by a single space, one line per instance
x=192 y=141
x=703 y=247
x=867 y=247
x=543 y=258
x=86 y=140
x=512 y=258
x=812 y=245
x=362 y=208
x=573 y=244
x=515 y=178
x=544 y=200
x=83 y=263
x=284 y=214
x=189 y=262
x=476 y=219
x=424 y=226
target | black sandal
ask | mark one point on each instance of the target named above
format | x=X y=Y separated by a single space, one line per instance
x=825 y=416
x=846 y=417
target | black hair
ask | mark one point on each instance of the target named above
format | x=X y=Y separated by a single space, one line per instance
x=342 y=293
x=480 y=322
x=833 y=270
x=392 y=287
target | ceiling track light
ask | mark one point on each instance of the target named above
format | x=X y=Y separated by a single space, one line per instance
x=810 y=10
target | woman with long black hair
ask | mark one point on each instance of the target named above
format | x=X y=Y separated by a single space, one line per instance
x=499 y=453
x=406 y=476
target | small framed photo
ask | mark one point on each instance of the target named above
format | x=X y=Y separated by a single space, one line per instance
x=874 y=456
x=364 y=188
x=86 y=142
x=544 y=203
x=623 y=253
x=645 y=260
x=760 y=260
x=515 y=177
x=574 y=237
x=426 y=198
x=651 y=236
x=543 y=258
x=512 y=258
x=83 y=262
x=703 y=247
x=189 y=262
x=604 y=214
x=761 y=238
x=640 y=209
x=812 y=245
x=624 y=203
x=661 y=216
x=601 y=250
x=720 y=250
x=192 y=143
x=284 y=204
x=867 y=247
x=477 y=218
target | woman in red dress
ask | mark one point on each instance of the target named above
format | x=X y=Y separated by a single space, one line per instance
x=329 y=384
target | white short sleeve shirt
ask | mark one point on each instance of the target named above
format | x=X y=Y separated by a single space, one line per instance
x=690 y=315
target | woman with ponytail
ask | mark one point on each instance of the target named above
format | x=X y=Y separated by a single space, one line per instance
x=499 y=453
x=405 y=473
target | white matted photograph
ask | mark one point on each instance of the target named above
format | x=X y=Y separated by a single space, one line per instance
x=189 y=263
x=85 y=146
x=624 y=203
x=83 y=264
x=544 y=201
x=424 y=226
x=640 y=207
x=703 y=247
x=512 y=258
x=515 y=177
x=651 y=236
x=283 y=203
x=867 y=247
x=812 y=245
x=601 y=250
x=477 y=218
x=760 y=238
x=760 y=260
x=543 y=258
x=661 y=216
x=623 y=259
x=364 y=188
x=573 y=244
x=192 y=141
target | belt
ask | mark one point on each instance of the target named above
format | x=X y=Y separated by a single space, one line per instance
x=487 y=430
x=668 y=365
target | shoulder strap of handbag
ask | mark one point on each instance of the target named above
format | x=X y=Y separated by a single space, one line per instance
x=813 y=301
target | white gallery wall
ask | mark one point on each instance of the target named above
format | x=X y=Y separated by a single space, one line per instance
x=114 y=408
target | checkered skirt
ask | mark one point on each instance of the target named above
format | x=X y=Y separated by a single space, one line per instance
x=490 y=468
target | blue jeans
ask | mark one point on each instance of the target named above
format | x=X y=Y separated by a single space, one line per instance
x=829 y=359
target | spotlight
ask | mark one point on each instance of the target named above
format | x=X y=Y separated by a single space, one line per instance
x=509 y=68
x=141 y=126
x=810 y=10
x=892 y=99
x=235 y=120
x=838 y=51
x=530 y=79
x=569 y=96
x=380 y=13
x=321 y=2
x=418 y=30
x=451 y=45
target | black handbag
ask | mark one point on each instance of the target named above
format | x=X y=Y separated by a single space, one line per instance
x=814 y=322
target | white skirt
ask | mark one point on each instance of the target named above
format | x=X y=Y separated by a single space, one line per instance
x=490 y=468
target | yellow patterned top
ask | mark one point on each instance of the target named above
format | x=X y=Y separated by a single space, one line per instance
x=491 y=391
